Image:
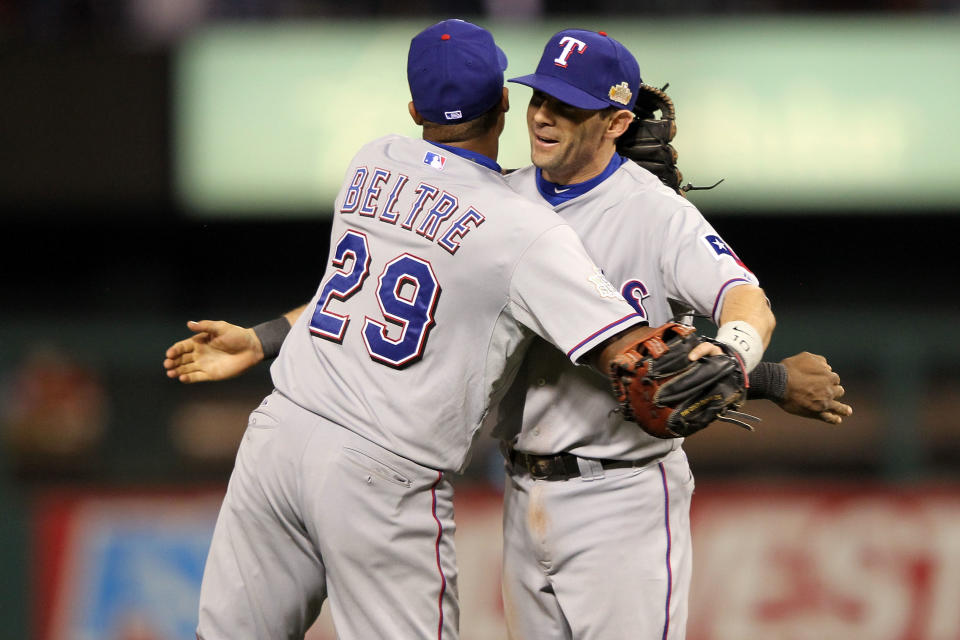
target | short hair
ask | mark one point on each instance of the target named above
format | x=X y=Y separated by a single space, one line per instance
x=606 y=112
x=461 y=131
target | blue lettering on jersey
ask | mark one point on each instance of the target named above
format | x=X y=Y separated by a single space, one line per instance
x=369 y=207
x=443 y=222
x=444 y=208
x=634 y=292
x=451 y=240
x=434 y=160
x=352 y=197
x=389 y=215
x=424 y=192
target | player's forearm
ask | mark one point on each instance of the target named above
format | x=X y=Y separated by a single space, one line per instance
x=272 y=333
x=603 y=354
x=294 y=314
x=746 y=323
x=748 y=303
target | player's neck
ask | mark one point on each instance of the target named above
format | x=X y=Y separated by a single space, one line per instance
x=486 y=143
x=488 y=146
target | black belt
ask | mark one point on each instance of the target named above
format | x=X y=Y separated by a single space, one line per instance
x=559 y=466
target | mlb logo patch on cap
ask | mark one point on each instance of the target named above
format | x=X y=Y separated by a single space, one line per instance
x=435 y=160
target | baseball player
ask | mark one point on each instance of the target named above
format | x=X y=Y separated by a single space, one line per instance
x=439 y=276
x=596 y=512
x=220 y=350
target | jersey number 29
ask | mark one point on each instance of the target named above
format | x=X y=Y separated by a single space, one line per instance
x=407 y=292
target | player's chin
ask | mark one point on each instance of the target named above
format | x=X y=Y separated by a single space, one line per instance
x=545 y=158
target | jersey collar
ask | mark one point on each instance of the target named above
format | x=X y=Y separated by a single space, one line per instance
x=479 y=158
x=557 y=194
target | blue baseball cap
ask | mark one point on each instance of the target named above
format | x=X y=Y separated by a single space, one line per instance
x=587 y=70
x=455 y=72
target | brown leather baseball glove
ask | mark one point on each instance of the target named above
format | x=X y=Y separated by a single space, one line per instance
x=671 y=396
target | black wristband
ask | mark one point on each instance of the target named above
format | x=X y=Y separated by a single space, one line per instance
x=272 y=333
x=768 y=380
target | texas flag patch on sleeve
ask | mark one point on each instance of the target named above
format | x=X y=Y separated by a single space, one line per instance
x=721 y=248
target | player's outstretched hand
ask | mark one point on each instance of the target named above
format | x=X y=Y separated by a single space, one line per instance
x=813 y=389
x=218 y=350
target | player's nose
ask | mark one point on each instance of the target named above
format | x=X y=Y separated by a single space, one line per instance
x=541 y=113
x=542 y=116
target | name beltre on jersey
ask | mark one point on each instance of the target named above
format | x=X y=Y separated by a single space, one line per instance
x=405 y=204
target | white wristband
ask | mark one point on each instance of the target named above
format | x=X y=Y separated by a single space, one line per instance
x=743 y=337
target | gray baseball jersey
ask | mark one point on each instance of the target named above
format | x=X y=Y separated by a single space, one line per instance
x=656 y=247
x=620 y=536
x=439 y=277
x=438 y=273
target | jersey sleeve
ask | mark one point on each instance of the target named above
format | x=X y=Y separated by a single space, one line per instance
x=559 y=293
x=699 y=266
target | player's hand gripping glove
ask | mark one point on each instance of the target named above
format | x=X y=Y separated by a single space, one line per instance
x=647 y=139
x=671 y=396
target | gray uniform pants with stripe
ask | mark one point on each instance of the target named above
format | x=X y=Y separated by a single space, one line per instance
x=599 y=558
x=314 y=511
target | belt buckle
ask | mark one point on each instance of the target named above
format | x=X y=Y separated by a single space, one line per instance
x=540 y=468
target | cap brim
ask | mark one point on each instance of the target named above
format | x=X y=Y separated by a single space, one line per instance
x=562 y=91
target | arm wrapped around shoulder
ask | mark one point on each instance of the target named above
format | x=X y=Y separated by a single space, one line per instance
x=671 y=396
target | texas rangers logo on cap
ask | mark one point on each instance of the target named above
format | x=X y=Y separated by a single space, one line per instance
x=569 y=45
x=587 y=70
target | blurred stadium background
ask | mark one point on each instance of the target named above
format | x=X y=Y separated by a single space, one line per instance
x=166 y=160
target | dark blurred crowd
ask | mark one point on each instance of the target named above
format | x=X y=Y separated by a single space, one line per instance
x=46 y=21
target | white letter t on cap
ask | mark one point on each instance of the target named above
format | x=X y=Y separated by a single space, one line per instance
x=568 y=46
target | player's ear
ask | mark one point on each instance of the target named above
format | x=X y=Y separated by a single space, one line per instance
x=619 y=122
x=417 y=118
x=505 y=100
